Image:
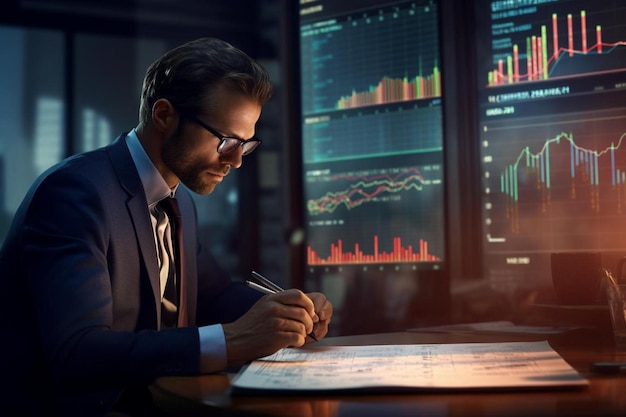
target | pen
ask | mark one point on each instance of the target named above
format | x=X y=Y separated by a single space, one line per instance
x=609 y=367
x=260 y=288
x=266 y=286
x=269 y=284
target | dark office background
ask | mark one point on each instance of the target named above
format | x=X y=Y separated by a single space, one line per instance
x=70 y=78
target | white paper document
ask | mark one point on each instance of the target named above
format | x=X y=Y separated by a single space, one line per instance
x=410 y=367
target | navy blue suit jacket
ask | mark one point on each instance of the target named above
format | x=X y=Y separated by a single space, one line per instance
x=80 y=309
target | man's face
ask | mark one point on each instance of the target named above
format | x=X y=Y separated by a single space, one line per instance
x=191 y=152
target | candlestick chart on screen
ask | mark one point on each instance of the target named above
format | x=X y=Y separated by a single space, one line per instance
x=563 y=183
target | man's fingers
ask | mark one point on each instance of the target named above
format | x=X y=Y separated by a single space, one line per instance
x=297 y=315
x=295 y=297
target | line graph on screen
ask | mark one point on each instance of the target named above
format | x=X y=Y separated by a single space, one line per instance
x=354 y=189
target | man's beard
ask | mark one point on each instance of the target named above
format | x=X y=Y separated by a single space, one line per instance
x=189 y=172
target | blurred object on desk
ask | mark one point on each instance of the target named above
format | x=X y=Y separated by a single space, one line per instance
x=499 y=326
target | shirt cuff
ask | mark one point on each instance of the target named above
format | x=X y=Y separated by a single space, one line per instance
x=212 y=349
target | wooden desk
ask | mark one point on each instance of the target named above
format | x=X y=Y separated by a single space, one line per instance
x=605 y=396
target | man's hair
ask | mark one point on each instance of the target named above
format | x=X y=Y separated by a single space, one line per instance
x=188 y=74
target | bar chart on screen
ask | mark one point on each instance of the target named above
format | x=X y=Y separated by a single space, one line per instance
x=352 y=60
x=399 y=253
x=551 y=44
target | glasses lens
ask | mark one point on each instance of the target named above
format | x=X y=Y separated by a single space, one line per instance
x=250 y=146
x=228 y=145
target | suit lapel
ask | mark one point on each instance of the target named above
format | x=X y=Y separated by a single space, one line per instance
x=138 y=210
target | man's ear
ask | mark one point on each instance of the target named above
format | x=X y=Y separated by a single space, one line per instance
x=164 y=115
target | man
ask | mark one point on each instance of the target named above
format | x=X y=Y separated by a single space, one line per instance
x=90 y=258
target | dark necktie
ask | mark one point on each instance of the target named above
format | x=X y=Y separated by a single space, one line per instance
x=178 y=289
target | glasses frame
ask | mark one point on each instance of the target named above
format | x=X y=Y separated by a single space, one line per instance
x=223 y=139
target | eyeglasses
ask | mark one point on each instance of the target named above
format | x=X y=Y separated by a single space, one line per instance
x=228 y=144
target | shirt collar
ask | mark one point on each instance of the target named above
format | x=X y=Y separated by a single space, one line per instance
x=154 y=185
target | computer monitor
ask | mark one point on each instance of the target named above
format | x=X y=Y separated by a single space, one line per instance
x=552 y=133
x=372 y=150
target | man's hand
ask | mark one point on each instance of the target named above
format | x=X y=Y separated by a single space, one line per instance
x=324 y=312
x=276 y=321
